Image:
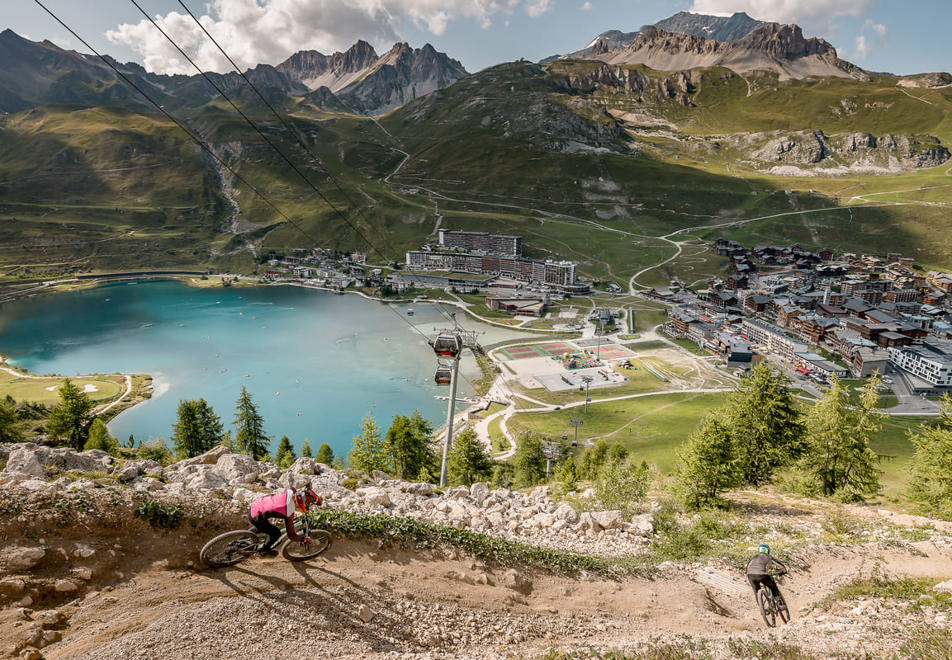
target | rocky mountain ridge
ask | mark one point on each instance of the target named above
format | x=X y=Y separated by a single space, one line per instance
x=36 y=74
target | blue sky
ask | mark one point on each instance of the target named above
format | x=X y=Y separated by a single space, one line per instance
x=879 y=35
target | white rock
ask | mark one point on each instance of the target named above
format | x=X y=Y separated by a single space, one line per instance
x=420 y=489
x=567 y=513
x=375 y=494
x=34 y=485
x=23 y=559
x=210 y=457
x=305 y=465
x=12 y=586
x=587 y=523
x=237 y=468
x=65 y=586
x=25 y=461
x=244 y=495
x=642 y=525
x=479 y=491
x=608 y=519
x=945 y=587
x=365 y=614
x=83 y=573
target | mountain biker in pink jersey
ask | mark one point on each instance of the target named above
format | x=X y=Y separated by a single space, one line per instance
x=281 y=505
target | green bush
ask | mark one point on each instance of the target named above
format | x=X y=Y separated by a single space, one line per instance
x=163 y=516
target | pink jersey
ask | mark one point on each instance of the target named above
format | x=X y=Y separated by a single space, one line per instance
x=279 y=504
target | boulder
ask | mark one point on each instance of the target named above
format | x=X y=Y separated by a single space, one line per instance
x=70 y=460
x=567 y=513
x=210 y=457
x=374 y=494
x=237 y=468
x=305 y=465
x=83 y=484
x=12 y=586
x=420 y=489
x=25 y=461
x=65 y=586
x=83 y=551
x=244 y=495
x=147 y=484
x=479 y=491
x=129 y=473
x=365 y=614
x=206 y=480
x=33 y=484
x=586 y=522
x=380 y=477
x=642 y=525
x=608 y=519
x=457 y=493
x=516 y=581
x=944 y=587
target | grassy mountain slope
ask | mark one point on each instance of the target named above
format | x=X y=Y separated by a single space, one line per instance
x=588 y=162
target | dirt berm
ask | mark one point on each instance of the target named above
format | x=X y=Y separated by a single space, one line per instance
x=85 y=576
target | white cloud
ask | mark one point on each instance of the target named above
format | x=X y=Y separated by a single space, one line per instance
x=268 y=31
x=878 y=28
x=862 y=48
x=586 y=6
x=815 y=16
x=536 y=8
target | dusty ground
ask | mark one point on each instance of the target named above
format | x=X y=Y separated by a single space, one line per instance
x=137 y=597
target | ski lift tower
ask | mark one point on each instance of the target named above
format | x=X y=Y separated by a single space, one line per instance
x=448 y=346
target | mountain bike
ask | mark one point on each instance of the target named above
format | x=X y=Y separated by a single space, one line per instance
x=232 y=547
x=772 y=604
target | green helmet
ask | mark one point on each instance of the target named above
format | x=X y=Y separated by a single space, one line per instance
x=763 y=547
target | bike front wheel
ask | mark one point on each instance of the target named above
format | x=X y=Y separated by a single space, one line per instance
x=766 y=608
x=320 y=542
x=229 y=548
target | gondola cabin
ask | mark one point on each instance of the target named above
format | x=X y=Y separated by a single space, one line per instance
x=443 y=376
x=448 y=345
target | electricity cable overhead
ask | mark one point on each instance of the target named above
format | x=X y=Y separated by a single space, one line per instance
x=204 y=146
x=294 y=133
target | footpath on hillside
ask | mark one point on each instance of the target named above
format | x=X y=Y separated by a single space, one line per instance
x=100 y=560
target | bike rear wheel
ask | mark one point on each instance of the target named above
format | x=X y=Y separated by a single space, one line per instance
x=320 y=542
x=230 y=548
x=766 y=607
x=782 y=609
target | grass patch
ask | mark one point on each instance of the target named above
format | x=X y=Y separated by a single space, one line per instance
x=918 y=590
x=499 y=441
x=38 y=390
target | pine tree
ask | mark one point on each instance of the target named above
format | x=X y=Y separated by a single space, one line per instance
x=408 y=444
x=250 y=437
x=99 y=438
x=285 y=454
x=468 y=461
x=707 y=464
x=568 y=475
x=325 y=454
x=931 y=484
x=765 y=425
x=529 y=460
x=370 y=448
x=306 y=451
x=10 y=425
x=197 y=428
x=839 y=436
x=71 y=417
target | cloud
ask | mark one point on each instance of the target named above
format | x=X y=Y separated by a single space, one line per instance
x=862 y=48
x=268 y=31
x=814 y=15
x=878 y=28
x=536 y=8
x=587 y=6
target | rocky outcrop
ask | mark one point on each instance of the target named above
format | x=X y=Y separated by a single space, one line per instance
x=534 y=517
x=814 y=151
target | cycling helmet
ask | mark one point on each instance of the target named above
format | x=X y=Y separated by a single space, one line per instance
x=305 y=497
x=763 y=547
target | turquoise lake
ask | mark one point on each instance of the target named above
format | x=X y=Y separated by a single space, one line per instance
x=315 y=363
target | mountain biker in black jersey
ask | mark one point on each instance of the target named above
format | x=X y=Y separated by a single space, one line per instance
x=758 y=569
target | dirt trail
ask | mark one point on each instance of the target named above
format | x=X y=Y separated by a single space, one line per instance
x=141 y=599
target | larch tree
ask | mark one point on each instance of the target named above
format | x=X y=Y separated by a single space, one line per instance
x=250 y=437
x=197 y=428
x=838 y=437
x=99 y=438
x=284 y=455
x=707 y=464
x=931 y=484
x=765 y=424
x=468 y=461
x=306 y=451
x=369 y=451
x=325 y=454
x=71 y=418
x=409 y=447
x=10 y=424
